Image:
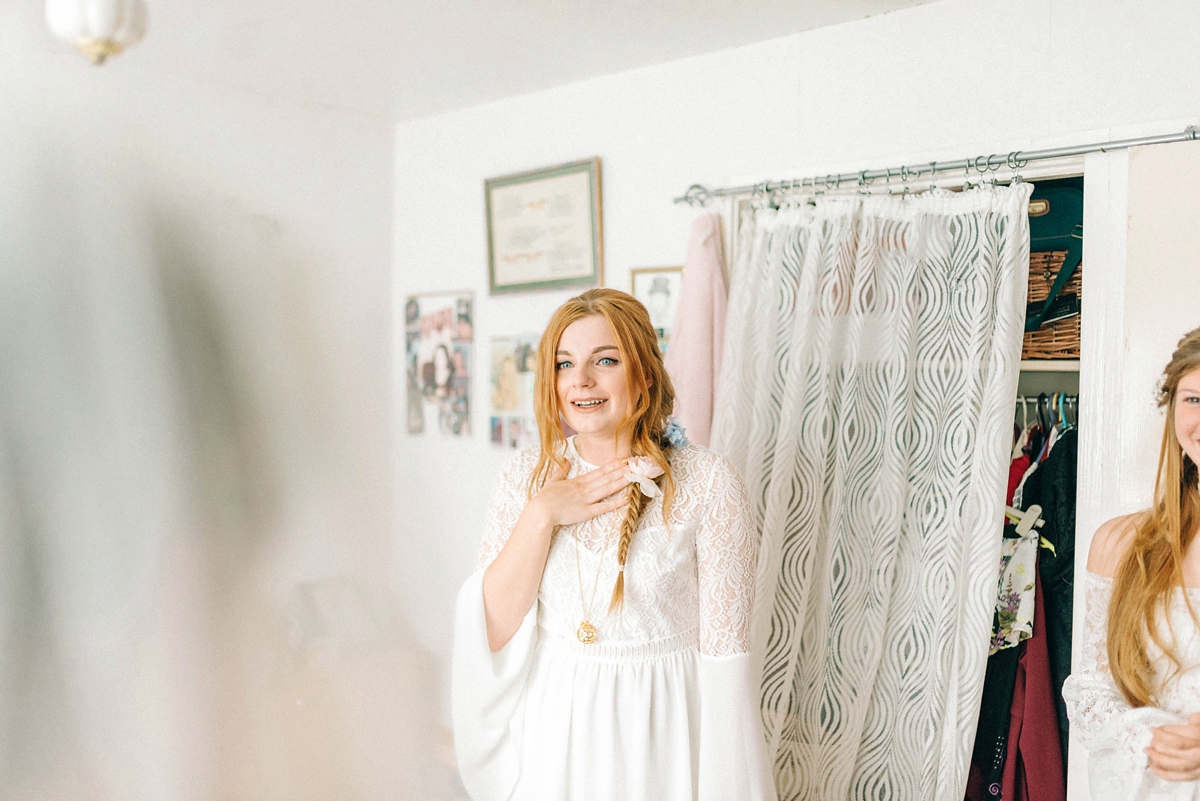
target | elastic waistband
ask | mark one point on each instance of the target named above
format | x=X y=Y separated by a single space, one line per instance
x=636 y=651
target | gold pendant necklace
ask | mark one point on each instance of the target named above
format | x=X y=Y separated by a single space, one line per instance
x=586 y=633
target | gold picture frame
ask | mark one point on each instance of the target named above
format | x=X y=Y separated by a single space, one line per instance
x=544 y=228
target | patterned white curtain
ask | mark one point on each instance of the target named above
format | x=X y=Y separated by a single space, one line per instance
x=871 y=361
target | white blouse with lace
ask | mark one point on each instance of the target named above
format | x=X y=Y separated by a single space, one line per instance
x=1115 y=733
x=663 y=704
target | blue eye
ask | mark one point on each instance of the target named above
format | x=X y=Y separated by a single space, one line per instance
x=607 y=361
x=561 y=365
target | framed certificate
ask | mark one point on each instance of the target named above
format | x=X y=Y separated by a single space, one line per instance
x=543 y=228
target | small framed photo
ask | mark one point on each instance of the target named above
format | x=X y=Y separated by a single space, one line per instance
x=658 y=290
x=544 y=228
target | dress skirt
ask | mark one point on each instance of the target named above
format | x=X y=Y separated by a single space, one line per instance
x=547 y=717
x=610 y=721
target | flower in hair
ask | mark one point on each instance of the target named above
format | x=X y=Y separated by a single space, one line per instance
x=674 y=434
x=642 y=471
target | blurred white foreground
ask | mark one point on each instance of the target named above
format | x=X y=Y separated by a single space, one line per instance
x=195 y=512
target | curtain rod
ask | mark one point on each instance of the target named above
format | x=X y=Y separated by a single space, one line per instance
x=698 y=195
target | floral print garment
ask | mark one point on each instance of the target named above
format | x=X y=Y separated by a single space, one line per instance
x=1013 y=621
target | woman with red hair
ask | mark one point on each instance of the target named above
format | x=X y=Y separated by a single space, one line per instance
x=602 y=645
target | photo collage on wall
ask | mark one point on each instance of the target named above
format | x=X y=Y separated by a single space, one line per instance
x=439 y=330
x=512 y=369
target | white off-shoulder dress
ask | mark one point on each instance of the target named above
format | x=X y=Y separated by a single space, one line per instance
x=1115 y=733
x=663 y=706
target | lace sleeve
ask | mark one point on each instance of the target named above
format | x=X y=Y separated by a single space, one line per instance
x=726 y=547
x=1099 y=713
x=507 y=502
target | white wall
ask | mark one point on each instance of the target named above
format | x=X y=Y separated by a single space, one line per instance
x=1144 y=261
x=942 y=81
x=194 y=421
x=1162 y=291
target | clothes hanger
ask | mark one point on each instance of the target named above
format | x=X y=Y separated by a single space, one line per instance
x=1023 y=436
x=1026 y=520
x=1049 y=430
x=1059 y=426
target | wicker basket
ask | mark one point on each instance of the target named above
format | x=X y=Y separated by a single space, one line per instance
x=1059 y=339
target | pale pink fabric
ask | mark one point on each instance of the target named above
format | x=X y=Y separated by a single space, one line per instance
x=698 y=331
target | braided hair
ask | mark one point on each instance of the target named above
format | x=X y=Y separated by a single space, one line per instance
x=652 y=394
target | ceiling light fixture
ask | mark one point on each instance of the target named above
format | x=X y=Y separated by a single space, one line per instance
x=97 y=28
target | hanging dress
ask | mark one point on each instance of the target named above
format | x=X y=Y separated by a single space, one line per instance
x=693 y=358
x=663 y=706
x=1115 y=733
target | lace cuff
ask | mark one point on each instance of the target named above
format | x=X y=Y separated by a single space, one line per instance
x=726 y=549
x=1100 y=715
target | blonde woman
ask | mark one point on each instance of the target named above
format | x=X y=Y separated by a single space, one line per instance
x=1136 y=702
x=601 y=647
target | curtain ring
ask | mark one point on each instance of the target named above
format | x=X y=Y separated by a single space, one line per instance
x=1015 y=164
x=696 y=195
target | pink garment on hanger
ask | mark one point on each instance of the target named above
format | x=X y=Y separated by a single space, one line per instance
x=697 y=334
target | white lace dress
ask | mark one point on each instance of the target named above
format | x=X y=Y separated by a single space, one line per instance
x=1115 y=733
x=663 y=706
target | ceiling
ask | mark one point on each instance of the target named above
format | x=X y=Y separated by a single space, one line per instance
x=405 y=59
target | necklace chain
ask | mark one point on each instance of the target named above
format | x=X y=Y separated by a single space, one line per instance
x=587 y=631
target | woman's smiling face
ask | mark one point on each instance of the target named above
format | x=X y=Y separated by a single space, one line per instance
x=591 y=381
x=1187 y=414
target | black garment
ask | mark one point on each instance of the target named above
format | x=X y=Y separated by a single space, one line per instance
x=991 y=734
x=1034 y=443
x=1052 y=486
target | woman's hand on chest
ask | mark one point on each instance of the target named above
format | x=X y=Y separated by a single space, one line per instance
x=565 y=501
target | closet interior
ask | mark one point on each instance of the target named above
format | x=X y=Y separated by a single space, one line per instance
x=1021 y=742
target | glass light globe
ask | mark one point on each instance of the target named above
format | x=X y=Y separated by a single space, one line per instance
x=97 y=28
